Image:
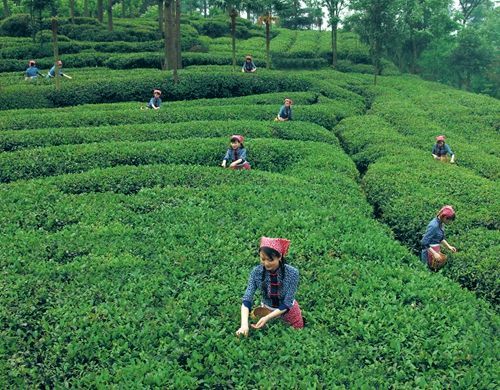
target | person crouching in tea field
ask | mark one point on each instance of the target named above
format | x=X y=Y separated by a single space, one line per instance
x=278 y=283
x=248 y=65
x=285 y=113
x=52 y=71
x=155 y=101
x=441 y=150
x=434 y=237
x=32 y=72
x=236 y=154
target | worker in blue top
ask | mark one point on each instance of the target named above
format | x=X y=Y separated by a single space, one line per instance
x=441 y=150
x=434 y=236
x=52 y=71
x=32 y=72
x=285 y=113
x=248 y=65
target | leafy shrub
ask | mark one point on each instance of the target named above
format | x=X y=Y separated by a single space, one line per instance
x=295 y=130
x=16 y=26
x=405 y=185
x=191 y=86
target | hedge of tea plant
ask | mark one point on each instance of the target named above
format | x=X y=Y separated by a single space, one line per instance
x=106 y=286
x=407 y=187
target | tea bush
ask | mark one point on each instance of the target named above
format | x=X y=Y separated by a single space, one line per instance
x=405 y=185
x=192 y=85
x=296 y=130
x=95 y=299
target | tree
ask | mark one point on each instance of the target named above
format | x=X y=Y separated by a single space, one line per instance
x=471 y=56
x=110 y=15
x=172 y=46
x=86 y=11
x=231 y=6
x=72 y=10
x=375 y=21
x=334 y=7
x=160 y=17
x=266 y=9
x=315 y=12
x=467 y=7
x=6 y=9
x=100 y=10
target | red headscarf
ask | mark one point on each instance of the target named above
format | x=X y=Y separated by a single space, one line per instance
x=240 y=138
x=280 y=245
x=447 y=212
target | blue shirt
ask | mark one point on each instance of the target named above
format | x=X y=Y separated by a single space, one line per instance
x=288 y=287
x=434 y=234
x=32 y=71
x=285 y=112
x=442 y=150
x=154 y=102
x=233 y=155
x=52 y=71
x=248 y=66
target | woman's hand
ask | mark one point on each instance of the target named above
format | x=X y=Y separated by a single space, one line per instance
x=223 y=165
x=453 y=249
x=260 y=323
x=242 y=331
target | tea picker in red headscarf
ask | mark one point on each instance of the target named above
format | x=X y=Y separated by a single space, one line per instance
x=434 y=237
x=278 y=283
x=441 y=150
x=236 y=154
x=32 y=72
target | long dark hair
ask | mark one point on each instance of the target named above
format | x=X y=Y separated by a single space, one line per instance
x=272 y=254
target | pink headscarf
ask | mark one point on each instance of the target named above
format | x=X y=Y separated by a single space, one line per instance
x=156 y=91
x=280 y=245
x=440 y=138
x=240 y=138
x=446 y=211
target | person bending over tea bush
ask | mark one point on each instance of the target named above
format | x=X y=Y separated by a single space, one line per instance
x=285 y=113
x=441 y=150
x=236 y=154
x=248 y=65
x=52 y=71
x=155 y=101
x=32 y=72
x=278 y=283
x=434 y=237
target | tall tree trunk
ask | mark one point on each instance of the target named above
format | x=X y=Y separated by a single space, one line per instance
x=160 y=18
x=56 y=52
x=467 y=81
x=123 y=8
x=86 y=8
x=6 y=9
x=268 y=40
x=165 y=36
x=414 y=55
x=233 y=14
x=377 y=51
x=334 y=45
x=100 y=10
x=72 y=10
x=110 y=15
x=178 y=46
x=170 y=55
x=249 y=14
x=205 y=8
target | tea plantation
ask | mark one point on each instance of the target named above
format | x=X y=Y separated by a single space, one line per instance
x=125 y=248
